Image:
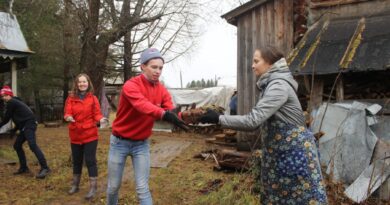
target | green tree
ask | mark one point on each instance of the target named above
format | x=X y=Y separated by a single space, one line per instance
x=203 y=83
x=41 y=25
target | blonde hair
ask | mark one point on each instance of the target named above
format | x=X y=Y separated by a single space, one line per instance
x=75 y=89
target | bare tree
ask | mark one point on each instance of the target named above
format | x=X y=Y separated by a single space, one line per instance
x=165 y=24
x=174 y=34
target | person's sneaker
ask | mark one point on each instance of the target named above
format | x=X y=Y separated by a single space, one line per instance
x=22 y=171
x=43 y=173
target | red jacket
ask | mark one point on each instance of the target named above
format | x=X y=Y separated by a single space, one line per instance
x=86 y=114
x=141 y=102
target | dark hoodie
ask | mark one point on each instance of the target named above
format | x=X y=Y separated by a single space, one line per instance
x=19 y=112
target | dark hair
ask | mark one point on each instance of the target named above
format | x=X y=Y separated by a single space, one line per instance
x=75 y=89
x=270 y=54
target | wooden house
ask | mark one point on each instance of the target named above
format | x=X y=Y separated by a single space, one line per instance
x=14 y=51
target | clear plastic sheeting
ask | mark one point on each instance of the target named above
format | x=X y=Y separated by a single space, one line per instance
x=219 y=96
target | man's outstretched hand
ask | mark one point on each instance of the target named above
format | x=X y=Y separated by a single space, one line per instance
x=172 y=118
x=210 y=116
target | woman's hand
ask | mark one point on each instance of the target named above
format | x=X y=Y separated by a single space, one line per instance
x=69 y=119
x=104 y=122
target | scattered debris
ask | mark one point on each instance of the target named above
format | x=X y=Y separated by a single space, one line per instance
x=369 y=181
x=213 y=185
x=53 y=124
x=8 y=162
x=227 y=159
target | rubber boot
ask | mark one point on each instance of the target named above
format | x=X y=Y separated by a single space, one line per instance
x=93 y=188
x=75 y=184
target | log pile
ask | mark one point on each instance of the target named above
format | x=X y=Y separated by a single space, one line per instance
x=300 y=19
x=226 y=138
x=227 y=159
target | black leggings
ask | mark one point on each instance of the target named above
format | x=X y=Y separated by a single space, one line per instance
x=88 y=152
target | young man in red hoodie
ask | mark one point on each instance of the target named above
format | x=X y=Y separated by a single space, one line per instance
x=142 y=101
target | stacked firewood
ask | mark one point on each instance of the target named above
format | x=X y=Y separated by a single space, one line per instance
x=192 y=115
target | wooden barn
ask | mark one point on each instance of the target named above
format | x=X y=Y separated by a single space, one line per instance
x=321 y=38
x=260 y=22
x=338 y=50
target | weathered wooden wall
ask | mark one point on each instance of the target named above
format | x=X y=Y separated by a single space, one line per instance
x=270 y=23
x=346 y=8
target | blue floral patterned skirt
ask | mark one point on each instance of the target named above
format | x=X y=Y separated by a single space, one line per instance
x=290 y=168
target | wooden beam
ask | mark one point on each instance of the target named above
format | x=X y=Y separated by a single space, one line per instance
x=340 y=90
x=316 y=94
x=324 y=4
x=14 y=77
x=384 y=190
x=307 y=82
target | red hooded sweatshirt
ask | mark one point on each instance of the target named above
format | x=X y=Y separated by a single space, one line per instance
x=141 y=102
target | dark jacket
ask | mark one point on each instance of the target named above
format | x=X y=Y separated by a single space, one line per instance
x=19 y=112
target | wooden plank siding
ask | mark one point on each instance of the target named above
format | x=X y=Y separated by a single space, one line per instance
x=267 y=24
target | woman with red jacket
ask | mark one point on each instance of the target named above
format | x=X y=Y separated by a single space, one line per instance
x=82 y=111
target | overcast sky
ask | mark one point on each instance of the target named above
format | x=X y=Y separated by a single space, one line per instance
x=215 y=56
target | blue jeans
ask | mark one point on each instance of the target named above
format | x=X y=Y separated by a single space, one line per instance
x=140 y=156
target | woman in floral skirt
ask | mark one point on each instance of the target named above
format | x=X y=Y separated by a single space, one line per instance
x=290 y=168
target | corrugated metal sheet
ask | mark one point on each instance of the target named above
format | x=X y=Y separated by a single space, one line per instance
x=11 y=37
x=354 y=45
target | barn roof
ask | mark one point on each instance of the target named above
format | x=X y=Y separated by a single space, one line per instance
x=352 y=45
x=231 y=16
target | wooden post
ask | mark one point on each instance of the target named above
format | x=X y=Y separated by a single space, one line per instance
x=316 y=94
x=340 y=90
x=14 y=78
x=384 y=190
x=307 y=83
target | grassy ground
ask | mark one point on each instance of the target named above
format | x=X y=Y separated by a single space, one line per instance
x=185 y=181
x=181 y=183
